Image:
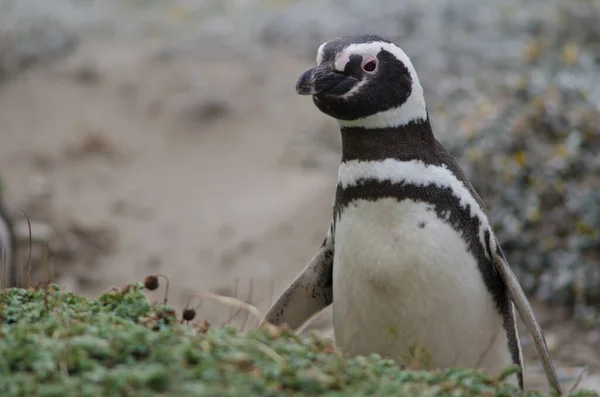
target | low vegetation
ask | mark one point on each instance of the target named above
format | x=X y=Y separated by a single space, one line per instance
x=58 y=344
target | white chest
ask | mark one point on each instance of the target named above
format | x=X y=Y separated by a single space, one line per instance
x=403 y=278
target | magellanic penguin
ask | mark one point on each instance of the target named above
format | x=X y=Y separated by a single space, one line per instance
x=7 y=247
x=410 y=259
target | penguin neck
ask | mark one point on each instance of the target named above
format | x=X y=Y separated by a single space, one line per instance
x=413 y=140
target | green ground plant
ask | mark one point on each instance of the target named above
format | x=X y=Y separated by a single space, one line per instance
x=58 y=344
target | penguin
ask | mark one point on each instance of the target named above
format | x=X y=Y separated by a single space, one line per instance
x=7 y=248
x=410 y=260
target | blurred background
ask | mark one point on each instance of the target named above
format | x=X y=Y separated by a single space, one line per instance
x=144 y=137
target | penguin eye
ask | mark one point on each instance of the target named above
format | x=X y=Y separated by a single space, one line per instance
x=369 y=65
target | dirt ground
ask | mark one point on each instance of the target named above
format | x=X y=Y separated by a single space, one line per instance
x=143 y=164
x=208 y=169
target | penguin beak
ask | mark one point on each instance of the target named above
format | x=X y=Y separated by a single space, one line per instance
x=320 y=79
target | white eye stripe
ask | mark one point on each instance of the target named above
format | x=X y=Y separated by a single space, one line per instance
x=341 y=60
x=366 y=50
x=320 y=54
x=412 y=109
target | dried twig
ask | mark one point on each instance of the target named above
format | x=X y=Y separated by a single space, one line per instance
x=52 y=272
x=30 y=248
x=3 y=269
x=166 y=287
x=232 y=313
x=151 y=283
x=45 y=267
x=249 y=300
x=234 y=302
x=578 y=381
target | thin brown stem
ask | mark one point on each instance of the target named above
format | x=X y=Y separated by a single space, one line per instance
x=166 y=287
x=578 y=381
x=249 y=301
x=45 y=265
x=52 y=270
x=271 y=292
x=232 y=312
x=3 y=269
x=187 y=304
x=231 y=316
x=30 y=248
x=45 y=270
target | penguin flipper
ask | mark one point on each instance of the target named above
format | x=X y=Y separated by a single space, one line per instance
x=308 y=294
x=527 y=315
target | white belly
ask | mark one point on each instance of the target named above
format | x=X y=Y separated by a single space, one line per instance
x=399 y=284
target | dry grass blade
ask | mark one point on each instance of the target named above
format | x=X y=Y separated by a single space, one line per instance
x=234 y=302
x=267 y=351
x=250 y=291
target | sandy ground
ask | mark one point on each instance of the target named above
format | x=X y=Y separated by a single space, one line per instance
x=207 y=168
x=161 y=165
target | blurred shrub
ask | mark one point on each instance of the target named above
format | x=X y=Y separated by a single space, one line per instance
x=536 y=161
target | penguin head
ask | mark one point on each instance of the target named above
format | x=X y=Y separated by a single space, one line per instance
x=364 y=81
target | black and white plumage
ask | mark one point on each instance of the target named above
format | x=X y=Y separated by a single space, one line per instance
x=410 y=257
